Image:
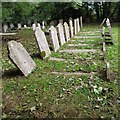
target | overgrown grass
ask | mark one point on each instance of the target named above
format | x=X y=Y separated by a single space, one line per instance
x=43 y=94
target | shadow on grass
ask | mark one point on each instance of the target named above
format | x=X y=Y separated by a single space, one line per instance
x=36 y=55
x=12 y=73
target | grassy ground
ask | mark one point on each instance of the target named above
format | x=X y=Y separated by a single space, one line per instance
x=43 y=94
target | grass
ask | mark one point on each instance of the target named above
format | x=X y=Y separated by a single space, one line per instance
x=43 y=94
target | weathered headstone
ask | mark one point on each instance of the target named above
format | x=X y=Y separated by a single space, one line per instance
x=42 y=43
x=67 y=33
x=78 y=25
x=81 y=24
x=25 y=26
x=5 y=28
x=43 y=25
x=33 y=26
x=75 y=26
x=11 y=26
x=39 y=25
x=109 y=29
x=20 y=57
x=61 y=21
x=71 y=27
x=54 y=38
x=61 y=33
x=19 y=26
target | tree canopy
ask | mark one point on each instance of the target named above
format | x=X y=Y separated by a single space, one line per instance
x=28 y=12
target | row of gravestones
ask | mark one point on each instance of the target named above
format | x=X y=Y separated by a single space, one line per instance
x=109 y=34
x=5 y=27
x=60 y=34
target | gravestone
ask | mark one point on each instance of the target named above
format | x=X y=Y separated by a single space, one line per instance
x=61 y=21
x=78 y=25
x=75 y=26
x=110 y=30
x=11 y=26
x=19 y=26
x=33 y=26
x=25 y=26
x=61 y=33
x=67 y=33
x=54 y=38
x=71 y=27
x=43 y=25
x=42 y=43
x=39 y=25
x=52 y=23
x=5 y=28
x=81 y=24
x=20 y=57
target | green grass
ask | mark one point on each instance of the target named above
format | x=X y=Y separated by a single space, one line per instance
x=43 y=94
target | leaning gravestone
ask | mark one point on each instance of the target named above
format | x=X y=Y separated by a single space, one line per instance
x=61 y=33
x=67 y=33
x=75 y=26
x=71 y=27
x=33 y=26
x=78 y=25
x=54 y=38
x=20 y=57
x=19 y=26
x=5 y=28
x=42 y=43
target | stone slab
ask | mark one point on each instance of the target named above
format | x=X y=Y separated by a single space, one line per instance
x=20 y=57
x=33 y=26
x=71 y=27
x=108 y=70
x=54 y=38
x=82 y=41
x=71 y=73
x=61 y=34
x=70 y=45
x=56 y=59
x=85 y=37
x=42 y=43
x=7 y=34
x=78 y=50
x=81 y=24
x=67 y=32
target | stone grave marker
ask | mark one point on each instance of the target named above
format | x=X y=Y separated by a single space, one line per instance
x=67 y=33
x=71 y=27
x=54 y=38
x=43 y=25
x=78 y=25
x=5 y=28
x=61 y=33
x=11 y=26
x=81 y=24
x=42 y=43
x=75 y=26
x=33 y=26
x=25 y=26
x=20 y=57
x=61 y=21
x=39 y=25
x=19 y=26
